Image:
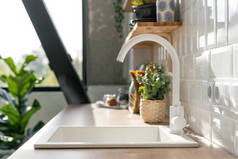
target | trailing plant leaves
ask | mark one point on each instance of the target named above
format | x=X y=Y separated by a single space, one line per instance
x=35 y=107
x=12 y=114
x=118 y=16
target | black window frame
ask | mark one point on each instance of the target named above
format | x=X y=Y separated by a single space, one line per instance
x=84 y=51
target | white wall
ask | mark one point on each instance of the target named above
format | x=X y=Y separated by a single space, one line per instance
x=51 y=104
x=207 y=45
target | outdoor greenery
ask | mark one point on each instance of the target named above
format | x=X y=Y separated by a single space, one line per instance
x=154 y=82
x=40 y=67
x=141 y=2
x=118 y=16
x=15 y=113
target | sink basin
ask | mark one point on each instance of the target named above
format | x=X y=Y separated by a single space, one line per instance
x=112 y=137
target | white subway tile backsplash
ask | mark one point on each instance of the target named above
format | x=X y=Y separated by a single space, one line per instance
x=189 y=31
x=235 y=60
x=182 y=4
x=209 y=69
x=234 y=96
x=186 y=32
x=204 y=87
x=221 y=21
x=210 y=23
x=221 y=62
x=201 y=24
x=233 y=21
x=184 y=91
x=236 y=139
x=203 y=125
x=223 y=131
x=194 y=27
x=186 y=111
x=192 y=117
x=202 y=65
x=199 y=120
x=195 y=92
x=218 y=93
x=182 y=41
x=226 y=94
x=210 y=92
x=188 y=67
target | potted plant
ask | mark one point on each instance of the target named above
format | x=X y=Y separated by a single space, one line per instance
x=15 y=113
x=145 y=10
x=154 y=84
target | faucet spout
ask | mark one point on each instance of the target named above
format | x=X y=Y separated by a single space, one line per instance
x=170 y=49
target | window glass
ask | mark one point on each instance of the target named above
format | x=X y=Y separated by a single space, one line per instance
x=18 y=37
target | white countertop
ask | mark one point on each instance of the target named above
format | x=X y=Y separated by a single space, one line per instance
x=82 y=115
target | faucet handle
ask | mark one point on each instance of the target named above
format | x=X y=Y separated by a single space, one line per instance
x=180 y=111
x=177 y=124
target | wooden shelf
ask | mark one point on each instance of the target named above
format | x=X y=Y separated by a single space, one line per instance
x=160 y=28
x=127 y=6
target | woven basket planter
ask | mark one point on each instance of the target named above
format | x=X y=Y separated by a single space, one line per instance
x=152 y=111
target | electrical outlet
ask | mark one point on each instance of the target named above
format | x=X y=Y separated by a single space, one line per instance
x=218 y=93
x=210 y=91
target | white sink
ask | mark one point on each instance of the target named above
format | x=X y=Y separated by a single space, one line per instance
x=112 y=137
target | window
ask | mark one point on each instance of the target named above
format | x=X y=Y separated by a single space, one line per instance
x=18 y=37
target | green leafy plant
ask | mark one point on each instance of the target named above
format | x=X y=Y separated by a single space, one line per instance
x=118 y=16
x=154 y=82
x=137 y=2
x=15 y=114
x=141 y=2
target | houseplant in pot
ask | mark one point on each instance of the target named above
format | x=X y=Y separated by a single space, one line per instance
x=154 y=84
x=145 y=10
x=15 y=112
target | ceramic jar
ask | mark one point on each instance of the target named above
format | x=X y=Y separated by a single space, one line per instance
x=165 y=10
